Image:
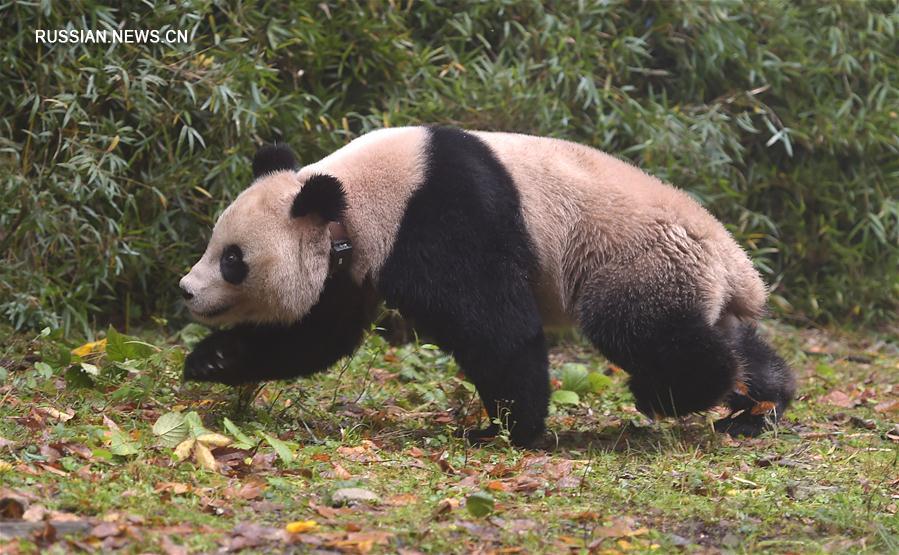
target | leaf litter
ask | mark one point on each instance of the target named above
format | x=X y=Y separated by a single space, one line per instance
x=183 y=477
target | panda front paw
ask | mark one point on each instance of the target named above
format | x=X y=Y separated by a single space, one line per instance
x=217 y=358
x=750 y=422
x=481 y=436
x=521 y=435
x=745 y=424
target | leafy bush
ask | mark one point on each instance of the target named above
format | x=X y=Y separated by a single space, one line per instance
x=780 y=116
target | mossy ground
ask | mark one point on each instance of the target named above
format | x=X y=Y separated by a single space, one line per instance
x=825 y=480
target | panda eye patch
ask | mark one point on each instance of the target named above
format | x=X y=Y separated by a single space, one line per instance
x=234 y=269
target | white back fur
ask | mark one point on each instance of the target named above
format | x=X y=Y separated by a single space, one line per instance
x=585 y=210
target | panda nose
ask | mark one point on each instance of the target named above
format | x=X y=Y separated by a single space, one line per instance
x=186 y=294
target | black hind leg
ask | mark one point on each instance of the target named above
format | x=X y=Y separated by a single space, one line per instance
x=677 y=362
x=766 y=390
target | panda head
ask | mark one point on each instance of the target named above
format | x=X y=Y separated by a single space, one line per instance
x=268 y=257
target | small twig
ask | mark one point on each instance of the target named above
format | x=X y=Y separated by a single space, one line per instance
x=620 y=435
x=271 y=406
x=340 y=375
x=580 y=487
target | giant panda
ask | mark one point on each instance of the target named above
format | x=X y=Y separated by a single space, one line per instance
x=483 y=239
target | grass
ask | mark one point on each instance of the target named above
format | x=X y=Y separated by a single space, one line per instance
x=609 y=480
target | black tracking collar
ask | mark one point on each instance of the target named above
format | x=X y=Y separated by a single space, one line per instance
x=341 y=248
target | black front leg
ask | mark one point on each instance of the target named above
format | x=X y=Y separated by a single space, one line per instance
x=250 y=353
x=769 y=387
x=514 y=390
x=463 y=266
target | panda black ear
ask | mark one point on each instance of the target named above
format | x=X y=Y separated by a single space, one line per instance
x=322 y=195
x=273 y=158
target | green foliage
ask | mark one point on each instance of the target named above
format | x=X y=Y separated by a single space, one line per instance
x=565 y=397
x=780 y=116
x=479 y=504
x=172 y=428
x=241 y=440
x=577 y=378
x=281 y=448
x=120 y=347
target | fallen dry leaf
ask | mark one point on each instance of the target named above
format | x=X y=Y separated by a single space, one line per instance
x=177 y=488
x=838 y=399
x=45 y=535
x=11 y=508
x=360 y=542
x=301 y=526
x=247 y=535
x=620 y=527
x=184 y=449
x=56 y=413
x=105 y=530
x=496 y=485
x=324 y=511
x=23 y=497
x=348 y=546
x=215 y=440
x=893 y=435
x=170 y=548
x=90 y=348
x=248 y=490
x=401 y=500
x=527 y=484
x=762 y=407
x=49 y=453
x=360 y=453
x=110 y=424
x=377 y=537
x=338 y=472
x=35 y=513
x=500 y=470
x=204 y=457
x=79 y=449
x=444 y=507
x=264 y=460
x=586 y=516
x=887 y=406
x=53 y=470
